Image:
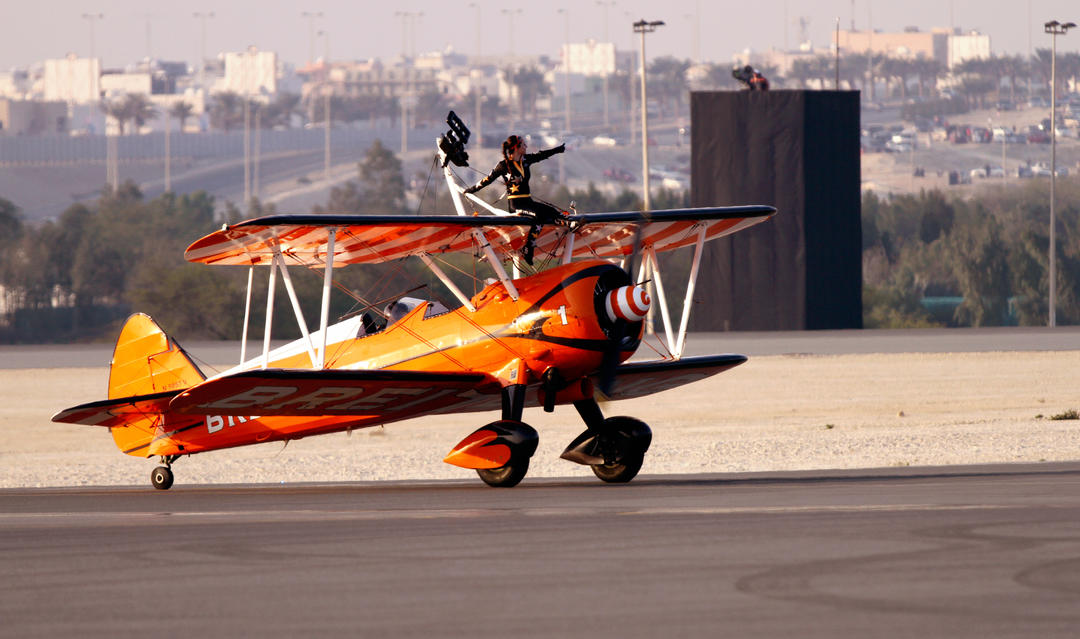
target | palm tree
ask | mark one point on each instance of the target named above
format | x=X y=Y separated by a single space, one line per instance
x=139 y=109
x=928 y=69
x=181 y=111
x=115 y=110
x=668 y=81
x=530 y=87
x=227 y=110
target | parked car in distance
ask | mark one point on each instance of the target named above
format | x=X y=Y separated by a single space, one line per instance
x=619 y=174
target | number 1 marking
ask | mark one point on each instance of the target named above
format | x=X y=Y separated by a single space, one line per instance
x=562 y=314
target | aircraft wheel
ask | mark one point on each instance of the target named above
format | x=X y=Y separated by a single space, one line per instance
x=626 y=439
x=507 y=476
x=161 y=478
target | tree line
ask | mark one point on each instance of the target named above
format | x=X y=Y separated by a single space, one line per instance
x=78 y=277
x=985 y=259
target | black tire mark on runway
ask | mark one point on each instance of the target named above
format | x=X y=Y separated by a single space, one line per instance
x=959 y=546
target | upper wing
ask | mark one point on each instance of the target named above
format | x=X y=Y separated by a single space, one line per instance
x=638 y=379
x=367 y=239
x=359 y=239
x=115 y=412
x=611 y=235
x=388 y=394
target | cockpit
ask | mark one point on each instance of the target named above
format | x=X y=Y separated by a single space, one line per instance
x=393 y=312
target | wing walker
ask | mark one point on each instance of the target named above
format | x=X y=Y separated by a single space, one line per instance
x=552 y=335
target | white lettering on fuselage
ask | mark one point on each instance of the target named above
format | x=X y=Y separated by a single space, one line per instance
x=214 y=423
x=328 y=400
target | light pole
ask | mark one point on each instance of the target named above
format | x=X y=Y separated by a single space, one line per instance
x=407 y=21
x=643 y=27
x=92 y=18
x=606 y=5
x=202 y=16
x=478 y=124
x=1054 y=28
x=510 y=13
x=311 y=15
x=327 y=90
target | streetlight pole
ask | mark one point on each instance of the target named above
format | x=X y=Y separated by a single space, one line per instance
x=311 y=16
x=478 y=124
x=509 y=13
x=643 y=27
x=202 y=16
x=92 y=18
x=606 y=5
x=1054 y=28
x=327 y=90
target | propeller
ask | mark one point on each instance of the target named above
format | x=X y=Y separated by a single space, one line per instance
x=625 y=306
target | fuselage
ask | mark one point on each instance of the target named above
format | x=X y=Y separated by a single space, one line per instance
x=556 y=322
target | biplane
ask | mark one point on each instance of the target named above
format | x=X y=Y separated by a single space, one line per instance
x=552 y=335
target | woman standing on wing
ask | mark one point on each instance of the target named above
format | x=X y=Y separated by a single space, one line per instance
x=514 y=170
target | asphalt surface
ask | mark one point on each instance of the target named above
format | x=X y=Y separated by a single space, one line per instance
x=948 y=552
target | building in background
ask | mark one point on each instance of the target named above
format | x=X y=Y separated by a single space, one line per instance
x=72 y=79
x=948 y=46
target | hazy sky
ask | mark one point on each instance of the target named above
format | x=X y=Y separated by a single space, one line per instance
x=35 y=30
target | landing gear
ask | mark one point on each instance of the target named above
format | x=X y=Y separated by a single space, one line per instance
x=162 y=477
x=614 y=447
x=507 y=476
x=499 y=452
x=623 y=446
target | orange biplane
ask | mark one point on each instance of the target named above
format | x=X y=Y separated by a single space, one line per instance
x=542 y=339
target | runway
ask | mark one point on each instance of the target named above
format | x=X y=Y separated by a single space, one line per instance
x=972 y=551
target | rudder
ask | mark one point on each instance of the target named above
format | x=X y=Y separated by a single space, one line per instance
x=147 y=361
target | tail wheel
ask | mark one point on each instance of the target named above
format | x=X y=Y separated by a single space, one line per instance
x=623 y=447
x=507 y=476
x=162 y=478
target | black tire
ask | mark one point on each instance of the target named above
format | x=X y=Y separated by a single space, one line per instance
x=161 y=478
x=629 y=438
x=506 y=476
x=620 y=473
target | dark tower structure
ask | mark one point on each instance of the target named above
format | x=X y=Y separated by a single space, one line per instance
x=798 y=151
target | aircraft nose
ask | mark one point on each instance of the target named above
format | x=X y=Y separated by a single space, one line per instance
x=630 y=303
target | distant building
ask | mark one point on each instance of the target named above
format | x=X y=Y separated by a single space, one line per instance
x=949 y=47
x=251 y=72
x=14 y=84
x=33 y=117
x=119 y=83
x=73 y=79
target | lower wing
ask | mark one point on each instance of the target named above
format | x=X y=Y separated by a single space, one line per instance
x=638 y=379
x=389 y=394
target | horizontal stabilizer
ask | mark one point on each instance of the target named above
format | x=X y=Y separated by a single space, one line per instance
x=116 y=412
x=638 y=379
x=388 y=394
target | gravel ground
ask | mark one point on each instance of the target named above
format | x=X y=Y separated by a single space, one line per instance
x=777 y=412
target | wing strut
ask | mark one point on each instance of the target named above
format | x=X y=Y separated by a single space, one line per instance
x=271 y=287
x=247 y=316
x=426 y=259
x=328 y=280
x=676 y=342
x=280 y=262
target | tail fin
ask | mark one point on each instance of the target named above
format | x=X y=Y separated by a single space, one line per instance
x=147 y=361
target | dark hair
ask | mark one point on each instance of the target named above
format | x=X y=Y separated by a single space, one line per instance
x=511 y=143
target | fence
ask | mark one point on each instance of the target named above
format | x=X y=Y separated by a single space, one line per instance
x=90 y=149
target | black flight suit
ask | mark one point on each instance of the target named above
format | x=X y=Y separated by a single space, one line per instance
x=516 y=176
